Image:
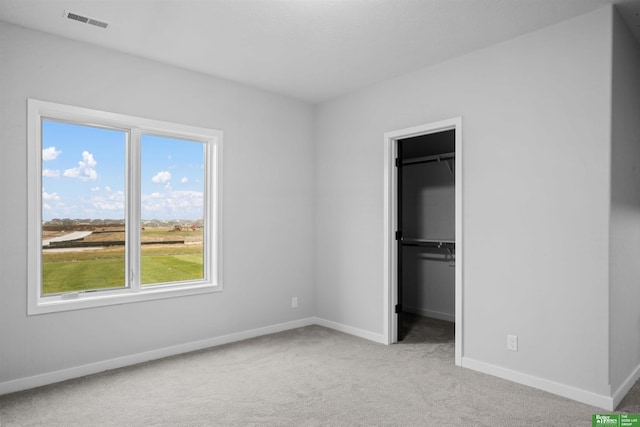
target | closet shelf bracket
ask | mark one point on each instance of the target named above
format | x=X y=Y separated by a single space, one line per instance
x=450 y=165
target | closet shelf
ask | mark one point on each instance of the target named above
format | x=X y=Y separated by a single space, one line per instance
x=447 y=158
x=448 y=244
x=427 y=159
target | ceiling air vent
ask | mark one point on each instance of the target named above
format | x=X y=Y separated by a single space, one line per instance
x=86 y=19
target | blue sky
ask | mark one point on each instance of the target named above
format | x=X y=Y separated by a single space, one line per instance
x=83 y=174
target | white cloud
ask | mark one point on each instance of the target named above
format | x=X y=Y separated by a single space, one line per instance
x=51 y=173
x=112 y=202
x=85 y=170
x=107 y=188
x=50 y=196
x=118 y=195
x=95 y=188
x=50 y=153
x=108 y=206
x=184 y=180
x=173 y=204
x=188 y=194
x=161 y=177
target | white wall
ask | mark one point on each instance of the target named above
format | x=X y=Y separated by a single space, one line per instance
x=536 y=179
x=625 y=207
x=268 y=203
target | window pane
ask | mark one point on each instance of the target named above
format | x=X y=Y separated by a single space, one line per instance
x=172 y=211
x=83 y=207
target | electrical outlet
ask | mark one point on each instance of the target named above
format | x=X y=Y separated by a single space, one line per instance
x=294 y=302
x=512 y=342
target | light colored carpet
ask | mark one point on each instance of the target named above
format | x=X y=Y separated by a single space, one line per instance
x=311 y=376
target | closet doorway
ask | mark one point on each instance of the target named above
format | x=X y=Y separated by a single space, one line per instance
x=423 y=230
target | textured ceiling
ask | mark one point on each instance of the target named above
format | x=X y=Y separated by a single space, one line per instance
x=312 y=50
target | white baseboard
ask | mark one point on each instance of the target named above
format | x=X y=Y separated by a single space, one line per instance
x=587 y=397
x=368 y=335
x=430 y=313
x=584 y=396
x=622 y=391
x=105 y=365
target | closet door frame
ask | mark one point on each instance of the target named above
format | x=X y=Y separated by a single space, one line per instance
x=390 y=221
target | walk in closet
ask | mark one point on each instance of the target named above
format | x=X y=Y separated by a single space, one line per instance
x=426 y=228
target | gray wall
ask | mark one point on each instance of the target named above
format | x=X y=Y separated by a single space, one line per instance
x=536 y=192
x=625 y=206
x=267 y=195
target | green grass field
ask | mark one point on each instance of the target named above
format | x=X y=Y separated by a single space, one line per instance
x=105 y=268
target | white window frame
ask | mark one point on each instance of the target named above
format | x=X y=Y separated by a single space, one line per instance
x=133 y=291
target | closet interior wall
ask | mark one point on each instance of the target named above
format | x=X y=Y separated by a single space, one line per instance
x=428 y=214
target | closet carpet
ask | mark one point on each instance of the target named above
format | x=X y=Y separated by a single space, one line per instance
x=310 y=376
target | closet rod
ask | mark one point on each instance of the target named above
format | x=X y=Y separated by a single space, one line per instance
x=427 y=159
x=429 y=243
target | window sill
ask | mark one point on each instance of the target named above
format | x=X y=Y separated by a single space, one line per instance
x=83 y=300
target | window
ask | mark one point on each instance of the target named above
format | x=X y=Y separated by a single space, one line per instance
x=121 y=208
